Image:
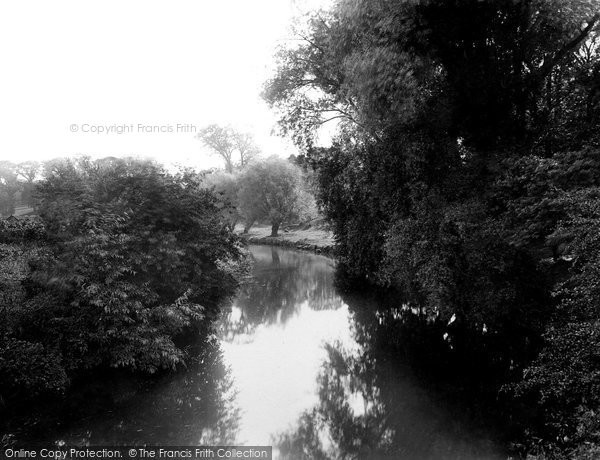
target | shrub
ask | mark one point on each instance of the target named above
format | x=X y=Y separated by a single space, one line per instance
x=22 y=230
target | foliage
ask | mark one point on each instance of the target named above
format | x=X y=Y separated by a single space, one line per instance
x=564 y=380
x=464 y=173
x=272 y=189
x=23 y=229
x=530 y=193
x=380 y=64
x=226 y=188
x=29 y=369
x=135 y=257
x=17 y=183
x=29 y=172
x=454 y=263
x=9 y=186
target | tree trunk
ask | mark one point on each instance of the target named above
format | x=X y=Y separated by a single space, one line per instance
x=274 y=228
x=248 y=226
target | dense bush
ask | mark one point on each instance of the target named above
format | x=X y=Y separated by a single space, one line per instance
x=564 y=380
x=21 y=230
x=29 y=369
x=134 y=258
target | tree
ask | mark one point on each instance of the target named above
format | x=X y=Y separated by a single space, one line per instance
x=226 y=187
x=429 y=96
x=134 y=257
x=246 y=148
x=229 y=143
x=462 y=125
x=475 y=70
x=564 y=380
x=271 y=189
x=9 y=186
x=29 y=171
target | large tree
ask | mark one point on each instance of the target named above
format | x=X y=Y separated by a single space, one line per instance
x=229 y=143
x=475 y=70
x=272 y=189
x=429 y=95
x=463 y=128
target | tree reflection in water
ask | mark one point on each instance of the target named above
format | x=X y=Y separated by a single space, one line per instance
x=372 y=407
x=195 y=407
x=283 y=280
x=365 y=402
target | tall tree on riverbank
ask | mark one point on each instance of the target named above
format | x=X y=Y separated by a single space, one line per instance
x=272 y=190
x=464 y=129
x=483 y=66
x=229 y=143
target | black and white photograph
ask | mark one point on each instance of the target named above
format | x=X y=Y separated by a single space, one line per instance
x=300 y=229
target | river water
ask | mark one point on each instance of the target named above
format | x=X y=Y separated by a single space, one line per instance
x=292 y=365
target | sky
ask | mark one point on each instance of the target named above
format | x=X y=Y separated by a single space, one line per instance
x=121 y=78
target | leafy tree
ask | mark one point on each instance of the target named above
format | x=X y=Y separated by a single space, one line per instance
x=29 y=171
x=272 y=189
x=226 y=188
x=9 y=186
x=466 y=133
x=135 y=258
x=227 y=143
x=431 y=98
x=475 y=70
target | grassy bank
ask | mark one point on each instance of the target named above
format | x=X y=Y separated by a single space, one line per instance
x=316 y=239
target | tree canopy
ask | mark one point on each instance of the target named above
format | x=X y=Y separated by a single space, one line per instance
x=132 y=257
x=464 y=161
x=273 y=190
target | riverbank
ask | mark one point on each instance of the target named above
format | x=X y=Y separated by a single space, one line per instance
x=318 y=240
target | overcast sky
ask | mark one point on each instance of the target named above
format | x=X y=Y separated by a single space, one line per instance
x=73 y=68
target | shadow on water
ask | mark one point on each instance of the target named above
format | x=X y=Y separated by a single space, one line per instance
x=328 y=376
x=193 y=407
x=371 y=405
x=296 y=364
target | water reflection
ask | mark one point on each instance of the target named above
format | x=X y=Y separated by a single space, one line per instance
x=283 y=281
x=194 y=407
x=370 y=410
x=273 y=338
x=321 y=377
x=296 y=365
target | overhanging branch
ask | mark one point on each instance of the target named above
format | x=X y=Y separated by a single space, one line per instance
x=551 y=61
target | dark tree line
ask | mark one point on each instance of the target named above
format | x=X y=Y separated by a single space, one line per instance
x=465 y=173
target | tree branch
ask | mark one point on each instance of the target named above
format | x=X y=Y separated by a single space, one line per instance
x=549 y=64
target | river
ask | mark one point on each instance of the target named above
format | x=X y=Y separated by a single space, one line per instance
x=292 y=364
